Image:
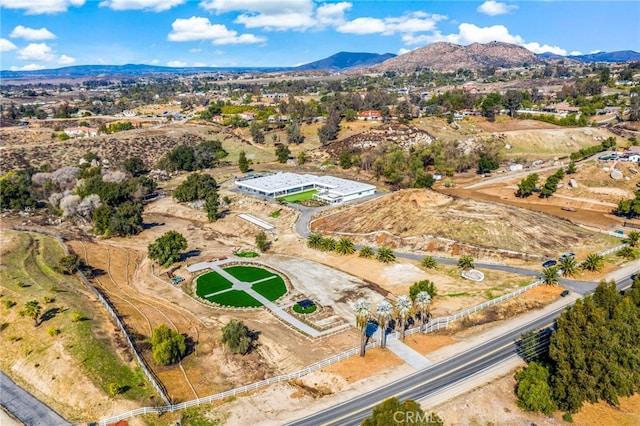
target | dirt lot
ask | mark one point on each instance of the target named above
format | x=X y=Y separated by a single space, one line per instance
x=427 y=221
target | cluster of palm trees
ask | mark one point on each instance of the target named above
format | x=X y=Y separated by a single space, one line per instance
x=568 y=266
x=385 y=312
x=344 y=246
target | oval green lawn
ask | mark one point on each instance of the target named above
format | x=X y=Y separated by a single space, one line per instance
x=211 y=282
x=272 y=289
x=235 y=298
x=248 y=274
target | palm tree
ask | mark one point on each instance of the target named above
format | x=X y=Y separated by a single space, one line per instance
x=633 y=239
x=568 y=265
x=466 y=262
x=314 y=241
x=423 y=299
x=384 y=312
x=328 y=244
x=362 y=319
x=345 y=246
x=593 y=262
x=403 y=310
x=429 y=262
x=32 y=310
x=550 y=275
x=385 y=255
x=366 y=252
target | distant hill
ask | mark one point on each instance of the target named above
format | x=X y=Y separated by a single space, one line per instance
x=346 y=60
x=133 y=70
x=619 y=56
x=450 y=57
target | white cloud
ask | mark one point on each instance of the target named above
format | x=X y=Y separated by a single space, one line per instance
x=31 y=33
x=403 y=50
x=332 y=13
x=66 y=60
x=406 y=24
x=199 y=64
x=30 y=67
x=154 y=62
x=6 y=45
x=494 y=8
x=363 y=26
x=575 y=53
x=177 y=64
x=153 y=5
x=536 y=47
x=198 y=28
x=259 y=6
x=38 y=7
x=36 y=52
x=593 y=52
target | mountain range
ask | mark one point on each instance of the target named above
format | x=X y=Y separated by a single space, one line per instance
x=437 y=57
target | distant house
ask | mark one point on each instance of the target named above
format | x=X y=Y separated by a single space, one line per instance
x=278 y=119
x=248 y=116
x=216 y=119
x=275 y=95
x=633 y=150
x=369 y=115
x=81 y=132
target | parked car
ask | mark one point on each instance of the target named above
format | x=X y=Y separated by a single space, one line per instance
x=549 y=263
x=564 y=293
x=567 y=255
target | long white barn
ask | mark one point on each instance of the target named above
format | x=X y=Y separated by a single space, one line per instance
x=330 y=189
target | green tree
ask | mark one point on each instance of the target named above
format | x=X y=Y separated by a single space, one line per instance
x=594 y=262
x=243 y=163
x=490 y=106
x=302 y=158
x=69 y=264
x=465 y=262
x=422 y=301
x=403 y=311
x=568 y=265
x=407 y=413
x=314 y=241
x=167 y=346
x=512 y=101
x=366 y=252
x=197 y=186
x=384 y=312
x=627 y=253
x=293 y=133
x=15 y=191
x=345 y=160
x=429 y=262
x=135 y=166
x=32 y=309
x=527 y=185
x=487 y=163
x=419 y=286
x=261 y=241
x=211 y=204
x=361 y=308
x=167 y=248
x=345 y=246
x=385 y=255
x=533 y=389
x=632 y=239
x=550 y=276
x=282 y=153
x=571 y=168
x=237 y=337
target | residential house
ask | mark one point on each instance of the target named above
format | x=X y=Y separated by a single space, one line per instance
x=371 y=115
x=81 y=132
x=247 y=115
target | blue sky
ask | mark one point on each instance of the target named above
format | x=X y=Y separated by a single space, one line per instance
x=39 y=34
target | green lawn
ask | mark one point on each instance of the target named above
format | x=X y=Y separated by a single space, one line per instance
x=211 y=282
x=271 y=289
x=297 y=308
x=248 y=274
x=247 y=254
x=235 y=298
x=301 y=196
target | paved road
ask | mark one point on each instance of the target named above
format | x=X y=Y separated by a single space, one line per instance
x=438 y=377
x=26 y=407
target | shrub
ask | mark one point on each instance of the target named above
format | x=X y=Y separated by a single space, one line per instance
x=78 y=316
x=9 y=304
x=52 y=331
x=167 y=346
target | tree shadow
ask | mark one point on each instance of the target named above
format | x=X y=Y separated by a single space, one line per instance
x=191 y=253
x=150 y=225
x=49 y=314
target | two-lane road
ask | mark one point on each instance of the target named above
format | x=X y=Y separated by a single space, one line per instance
x=435 y=378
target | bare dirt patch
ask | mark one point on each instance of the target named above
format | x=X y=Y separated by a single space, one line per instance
x=425 y=343
x=355 y=368
x=421 y=220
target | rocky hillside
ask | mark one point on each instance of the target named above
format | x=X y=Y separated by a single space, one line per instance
x=450 y=57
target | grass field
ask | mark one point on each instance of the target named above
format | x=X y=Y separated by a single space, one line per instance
x=211 y=282
x=300 y=310
x=302 y=196
x=236 y=298
x=247 y=254
x=248 y=274
x=271 y=289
